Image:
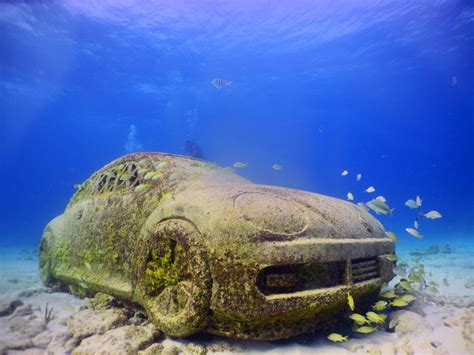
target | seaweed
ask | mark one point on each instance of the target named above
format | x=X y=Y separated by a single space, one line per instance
x=48 y=314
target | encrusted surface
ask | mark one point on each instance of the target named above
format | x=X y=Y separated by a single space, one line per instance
x=187 y=240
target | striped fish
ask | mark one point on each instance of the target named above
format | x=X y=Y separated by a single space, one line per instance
x=220 y=83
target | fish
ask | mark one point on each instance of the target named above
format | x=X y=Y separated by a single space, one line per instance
x=359 y=176
x=239 y=165
x=375 y=318
x=392 y=236
x=416 y=224
x=362 y=206
x=418 y=201
x=370 y=189
x=380 y=305
x=277 y=166
x=379 y=207
x=350 y=301
x=393 y=323
x=337 y=338
x=408 y=298
x=381 y=198
x=344 y=173
x=358 y=318
x=432 y=215
x=413 y=232
x=365 y=329
x=415 y=276
x=220 y=83
x=406 y=285
x=445 y=282
x=391 y=257
x=398 y=303
x=388 y=294
x=411 y=203
x=350 y=196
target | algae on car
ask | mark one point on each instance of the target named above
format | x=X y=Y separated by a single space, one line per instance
x=192 y=245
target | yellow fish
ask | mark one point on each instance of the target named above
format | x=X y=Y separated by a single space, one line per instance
x=388 y=294
x=380 y=306
x=337 y=338
x=398 y=303
x=408 y=298
x=392 y=236
x=350 y=301
x=358 y=318
x=365 y=329
x=391 y=257
x=406 y=285
x=375 y=318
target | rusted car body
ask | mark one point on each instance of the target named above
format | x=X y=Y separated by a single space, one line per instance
x=202 y=249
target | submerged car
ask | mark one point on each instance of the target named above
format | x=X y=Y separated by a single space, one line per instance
x=202 y=249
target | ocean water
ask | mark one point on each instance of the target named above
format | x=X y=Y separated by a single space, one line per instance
x=384 y=89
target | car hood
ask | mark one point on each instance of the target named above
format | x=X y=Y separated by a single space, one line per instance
x=243 y=210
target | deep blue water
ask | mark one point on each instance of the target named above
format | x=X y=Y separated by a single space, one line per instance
x=382 y=88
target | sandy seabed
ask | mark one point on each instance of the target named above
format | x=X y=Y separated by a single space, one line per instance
x=443 y=323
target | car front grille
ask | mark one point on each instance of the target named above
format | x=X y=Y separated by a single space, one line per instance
x=300 y=277
x=279 y=279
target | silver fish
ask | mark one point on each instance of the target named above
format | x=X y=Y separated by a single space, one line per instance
x=220 y=83
x=379 y=206
x=432 y=215
x=418 y=201
x=411 y=203
x=413 y=232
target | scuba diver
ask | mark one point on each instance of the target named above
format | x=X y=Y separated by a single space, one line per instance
x=193 y=150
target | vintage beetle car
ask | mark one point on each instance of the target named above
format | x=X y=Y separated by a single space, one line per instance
x=202 y=249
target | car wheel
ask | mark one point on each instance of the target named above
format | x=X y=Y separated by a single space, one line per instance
x=174 y=281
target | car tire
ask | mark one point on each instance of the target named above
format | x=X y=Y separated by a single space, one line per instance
x=174 y=281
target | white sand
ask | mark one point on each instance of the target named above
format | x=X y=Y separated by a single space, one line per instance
x=449 y=321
